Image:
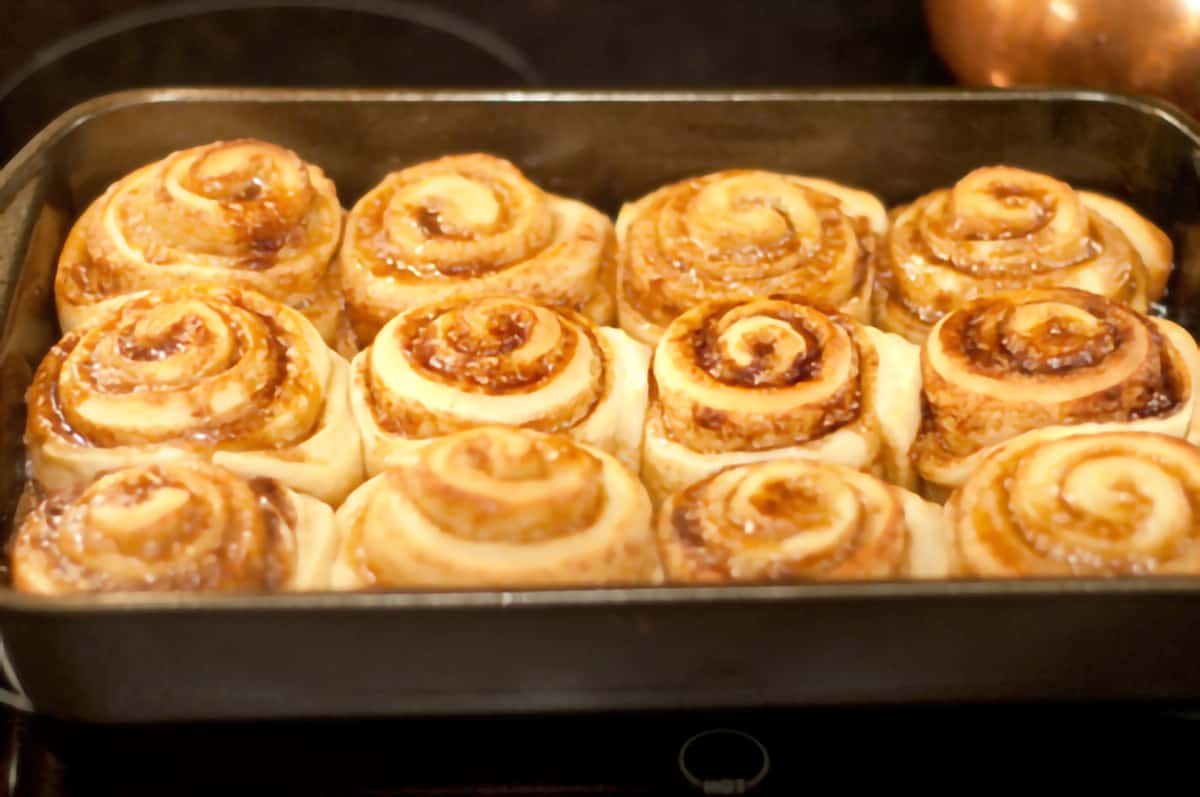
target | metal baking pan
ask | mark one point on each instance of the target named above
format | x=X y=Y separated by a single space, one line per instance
x=185 y=657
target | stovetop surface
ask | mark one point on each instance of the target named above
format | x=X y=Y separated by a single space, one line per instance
x=758 y=752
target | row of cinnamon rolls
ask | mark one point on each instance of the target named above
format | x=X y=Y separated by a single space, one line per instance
x=512 y=508
x=250 y=383
x=254 y=215
x=204 y=377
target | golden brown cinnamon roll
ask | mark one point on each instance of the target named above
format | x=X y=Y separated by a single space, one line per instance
x=497 y=360
x=1001 y=228
x=1041 y=357
x=744 y=233
x=471 y=225
x=187 y=526
x=240 y=213
x=798 y=519
x=752 y=380
x=498 y=507
x=218 y=373
x=1056 y=503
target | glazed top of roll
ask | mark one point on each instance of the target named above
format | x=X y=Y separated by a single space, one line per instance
x=787 y=520
x=497 y=484
x=1054 y=502
x=1001 y=227
x=179 y=526
x=1021 y=360
x=744 y=232
x=756 y=374
x=443 y=365
x=499 y=506
x=199 y=366
x=244 y=211
x=425 y=231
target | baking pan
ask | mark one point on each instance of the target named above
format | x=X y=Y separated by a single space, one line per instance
x=186 y=657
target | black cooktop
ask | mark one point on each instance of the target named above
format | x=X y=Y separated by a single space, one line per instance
x=764 y=752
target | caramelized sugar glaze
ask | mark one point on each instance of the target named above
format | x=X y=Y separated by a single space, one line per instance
x=215 y=373
x=744 y=233
x=498 y=506
x=1043 y=357
x=173 y=526
x=739 y=381
x=1002 y=228
x=1056 y=503
x=239 y=213
x=470 y=225
x=797 y=519
x=460 y=363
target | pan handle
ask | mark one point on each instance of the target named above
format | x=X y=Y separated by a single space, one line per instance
x=17 y=218
x=11 y=692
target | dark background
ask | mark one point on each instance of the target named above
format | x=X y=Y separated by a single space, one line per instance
x=55 y=54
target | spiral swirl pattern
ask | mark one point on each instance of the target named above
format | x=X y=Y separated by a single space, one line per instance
x=471 y=225
x=221 y=373
x=239 y=213
x=498 y=506
x=797 y=519
x=1055 y=503
x=1002 y=228
x=174 y=527
x=744 y=233
x=454 y=365
x=750 y=380
x=1025 y=360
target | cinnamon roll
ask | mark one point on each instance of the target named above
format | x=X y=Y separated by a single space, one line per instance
x=797 y=519
x=498 y=507
x=744 y=233
x=240 y=213
x=471 y=225
x=497 y=360
x=219 y=373
x=181 y=526
x=1024 y=360
x=1002 y=228
x=1057 y=503
x=742 y=381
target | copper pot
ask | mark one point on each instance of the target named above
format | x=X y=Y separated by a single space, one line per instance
x=1142 y=46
